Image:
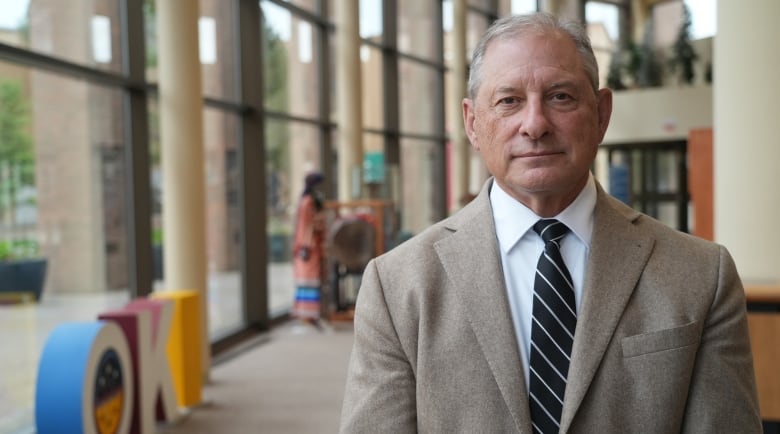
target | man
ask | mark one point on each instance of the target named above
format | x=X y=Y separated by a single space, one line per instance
x=617 y=324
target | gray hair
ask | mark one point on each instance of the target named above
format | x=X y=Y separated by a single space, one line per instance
x=541 y=22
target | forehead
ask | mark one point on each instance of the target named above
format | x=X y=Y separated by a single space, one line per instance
x=537 y=57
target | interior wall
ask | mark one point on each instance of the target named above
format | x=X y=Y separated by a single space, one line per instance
x=659 y=114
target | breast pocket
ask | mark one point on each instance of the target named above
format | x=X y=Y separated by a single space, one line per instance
x=661 y=340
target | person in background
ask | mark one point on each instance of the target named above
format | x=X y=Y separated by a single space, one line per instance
x=545 y=305
x=308 y=252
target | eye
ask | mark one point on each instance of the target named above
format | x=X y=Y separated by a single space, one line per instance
x=561 y=96
x=507 y=100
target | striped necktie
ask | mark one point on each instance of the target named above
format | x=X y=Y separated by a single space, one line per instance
x=552 y=330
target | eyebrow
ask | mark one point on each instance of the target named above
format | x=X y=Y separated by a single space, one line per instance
x=505 y=89
x=565 y=84
x=562 y=84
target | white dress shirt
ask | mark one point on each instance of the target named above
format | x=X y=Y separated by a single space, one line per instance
x=521 y=247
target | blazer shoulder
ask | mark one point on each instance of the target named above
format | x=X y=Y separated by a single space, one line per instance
x=658 y=230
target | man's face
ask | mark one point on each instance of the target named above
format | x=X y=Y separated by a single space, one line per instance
x=536 y=119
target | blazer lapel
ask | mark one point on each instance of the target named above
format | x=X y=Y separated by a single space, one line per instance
x=618 y=254
x=470 y=257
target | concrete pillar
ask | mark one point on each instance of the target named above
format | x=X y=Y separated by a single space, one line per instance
x=640 y=14
x=563 y=8
x=746 y=147
x=181 y=142
x=461 y=153
x=348 y=74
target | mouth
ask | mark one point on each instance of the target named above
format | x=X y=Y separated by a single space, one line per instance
x=537 y=154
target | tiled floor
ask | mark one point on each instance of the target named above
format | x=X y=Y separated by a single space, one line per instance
x=24 y=329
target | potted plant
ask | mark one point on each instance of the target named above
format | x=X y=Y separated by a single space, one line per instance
x=22 y=271
x=683 y=54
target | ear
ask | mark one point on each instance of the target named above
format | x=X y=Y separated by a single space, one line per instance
x=604 y=101
x=468 y=121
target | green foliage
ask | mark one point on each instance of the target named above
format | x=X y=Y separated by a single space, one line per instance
x=615 y=74
x=276 y=74
x=15 y=142
x=276 y=92
x=16 y=147
x=157 y=236
x=684 y=56
x=150 y=20
x=649 y=72
x=18 y=249
x=623 y=67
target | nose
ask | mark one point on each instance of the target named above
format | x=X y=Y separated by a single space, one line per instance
x=534 y=123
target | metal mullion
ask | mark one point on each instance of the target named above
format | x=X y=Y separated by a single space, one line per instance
x=251 y=158
x=136 y=131
x=391 y=93
x=227 y=105
x=439 y=163
x=44 y=62
x=327 y=155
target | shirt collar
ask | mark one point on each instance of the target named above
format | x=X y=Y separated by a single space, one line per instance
x=513 y=219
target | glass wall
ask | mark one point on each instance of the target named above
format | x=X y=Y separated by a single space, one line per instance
x=223 y=230
x=63 y=206
x=39 y=26
x=421 y=115
x=294 y=132
x=71 y=148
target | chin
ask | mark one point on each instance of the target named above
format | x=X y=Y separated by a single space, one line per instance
x=533 y=181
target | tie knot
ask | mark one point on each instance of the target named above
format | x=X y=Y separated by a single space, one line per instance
x=550 y=230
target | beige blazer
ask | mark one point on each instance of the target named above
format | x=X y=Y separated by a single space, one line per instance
x=661 y=344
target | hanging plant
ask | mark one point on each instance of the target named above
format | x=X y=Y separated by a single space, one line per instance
x=648 y=69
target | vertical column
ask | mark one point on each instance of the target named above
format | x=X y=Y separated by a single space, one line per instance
x=747 y=136
x=459 y=177
x=181 y=133
x=563 y=8
x=640 y=15
x=350 y=139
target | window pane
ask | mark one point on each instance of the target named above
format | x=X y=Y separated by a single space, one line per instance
x=603 y=30
x=419 y=98
x=667 y=212
x=476 y=25
x=419 y=184
x=223 y=230
x=62 y=203
x=292 y=150
x=80 y=31
x=517 y=7
x=291 y=84
x=704 y=20
x=217 y=43
x=668 y=172
x=604 y=15
x=150 y=44
x=371 y=19
x=416 y=28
